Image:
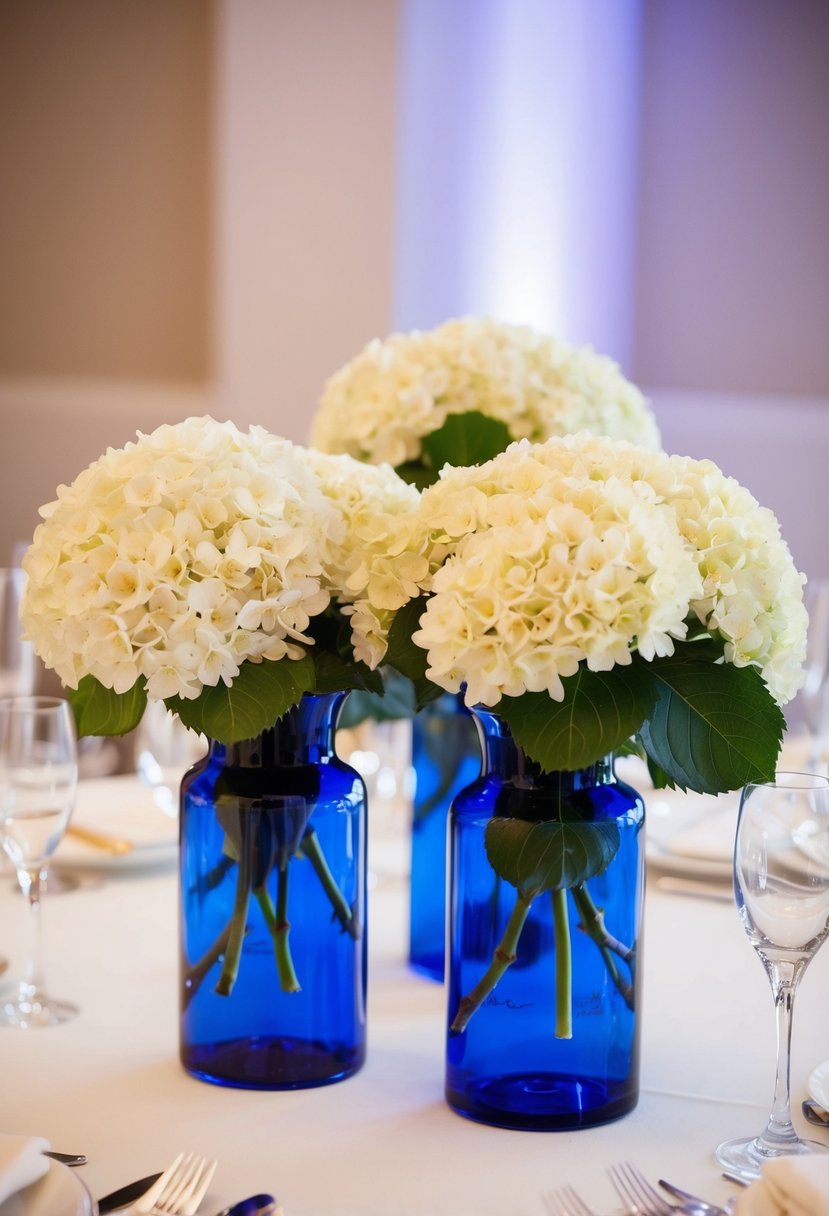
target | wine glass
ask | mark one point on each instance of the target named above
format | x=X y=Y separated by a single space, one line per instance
x=17 y=658
x=38 y=777
x=815 y=692
x=781 y=887
x=164 y=750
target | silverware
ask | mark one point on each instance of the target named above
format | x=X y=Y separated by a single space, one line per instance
x=703 y=1207
x=126 y=1194
x=634 y=1189
x=67 y=1158
x=814 y=1113
x=100 y=840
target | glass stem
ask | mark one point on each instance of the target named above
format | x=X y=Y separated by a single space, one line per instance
x=31 y=884
x=779 y=1130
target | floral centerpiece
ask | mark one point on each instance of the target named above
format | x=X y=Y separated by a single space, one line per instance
x=215 y=571
x=586 y=591
x=228 y=575
x=460 y=393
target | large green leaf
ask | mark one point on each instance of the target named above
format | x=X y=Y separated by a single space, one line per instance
x=396 y=702
x=466 y=439
x=416 y=474
x=261 y=693
x=332 y=673
x=714 y=726
x=549 y=856
x=407 y=658
x=600 y=711
x=100 y=711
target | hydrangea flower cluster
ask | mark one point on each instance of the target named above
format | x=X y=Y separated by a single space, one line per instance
x=381 y=561
x=379 y=406
x=180 y=556
x=583 y=549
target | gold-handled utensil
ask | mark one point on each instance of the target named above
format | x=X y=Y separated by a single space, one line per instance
x=101 y=840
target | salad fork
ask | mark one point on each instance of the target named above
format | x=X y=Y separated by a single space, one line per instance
x=565 y=1201
x=179 y=1190
x=643 y=1199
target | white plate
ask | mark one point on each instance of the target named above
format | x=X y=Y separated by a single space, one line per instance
x=124 y=808
x=59 y=1192
x=691 y=834
x=817 y=1086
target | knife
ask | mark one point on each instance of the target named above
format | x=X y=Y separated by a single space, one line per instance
x=126 y=1194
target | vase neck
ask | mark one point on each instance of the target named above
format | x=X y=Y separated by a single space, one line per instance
x=303 y=735
x=503 y=757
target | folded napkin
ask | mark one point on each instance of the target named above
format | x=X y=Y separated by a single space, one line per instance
x=21 y=1163
x=789 y=1186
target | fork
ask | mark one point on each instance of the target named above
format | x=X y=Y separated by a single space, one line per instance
x=564 y=1201
x=644 y=1200
x=179 y=1190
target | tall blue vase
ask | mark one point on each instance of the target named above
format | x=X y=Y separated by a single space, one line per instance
x=446 y=757
x=505 y=1064
x=272 y=908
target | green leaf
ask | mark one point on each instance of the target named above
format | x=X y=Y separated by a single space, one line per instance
x=416 y=474
x=466 y=439
x=407 y=658
x=100 y=711
x=335 y=674
x=397 y=702
x=261 y=693
x=714 y=726
x=549 y=856
x=599 y=713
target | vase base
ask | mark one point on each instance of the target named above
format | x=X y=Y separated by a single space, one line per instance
x=542 y=1102
x=272 y=1063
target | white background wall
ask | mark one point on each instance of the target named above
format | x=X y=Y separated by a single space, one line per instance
x=299 y=119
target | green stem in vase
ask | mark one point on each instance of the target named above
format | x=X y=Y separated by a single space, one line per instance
x=592 y=923
x=503 y=957
x=279 y=928
x=238 y=929
x=312 y=849
x=196 y=974
x=564 y=965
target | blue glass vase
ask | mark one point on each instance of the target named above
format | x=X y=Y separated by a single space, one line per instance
x=510 y=1000
x=272 y=908
x=446 y=757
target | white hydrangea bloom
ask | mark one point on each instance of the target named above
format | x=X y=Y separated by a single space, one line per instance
x=379 y=406
x=380 y=562
x=180 y=556
x=582 y=548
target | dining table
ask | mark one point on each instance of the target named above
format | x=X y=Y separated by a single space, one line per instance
x=384 y=1142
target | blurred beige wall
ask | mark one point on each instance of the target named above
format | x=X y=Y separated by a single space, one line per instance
x=197 y=216
x=733 y=264
x=105 y=211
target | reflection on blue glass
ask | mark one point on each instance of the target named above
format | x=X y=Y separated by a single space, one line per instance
x=446 y=755
x=273 y=840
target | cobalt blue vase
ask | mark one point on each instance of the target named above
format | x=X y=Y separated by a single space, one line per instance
x=272 y=908
x=510 y=1000
x=446 y=757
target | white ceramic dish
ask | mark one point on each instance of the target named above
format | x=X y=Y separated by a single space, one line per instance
x=60 y=1192
x=818 y=1085
x=124 y=808
x=691 y=834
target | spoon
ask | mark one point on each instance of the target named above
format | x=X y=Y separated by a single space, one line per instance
x=254 y=1205
x=815 y=1113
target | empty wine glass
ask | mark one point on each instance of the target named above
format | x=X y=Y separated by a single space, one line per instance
x=17 y=658
x=164 y=750
x=38 y=777
x=814 y=695
x=781 y=886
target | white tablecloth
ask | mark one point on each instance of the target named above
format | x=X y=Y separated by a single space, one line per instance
x=384 y=1143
